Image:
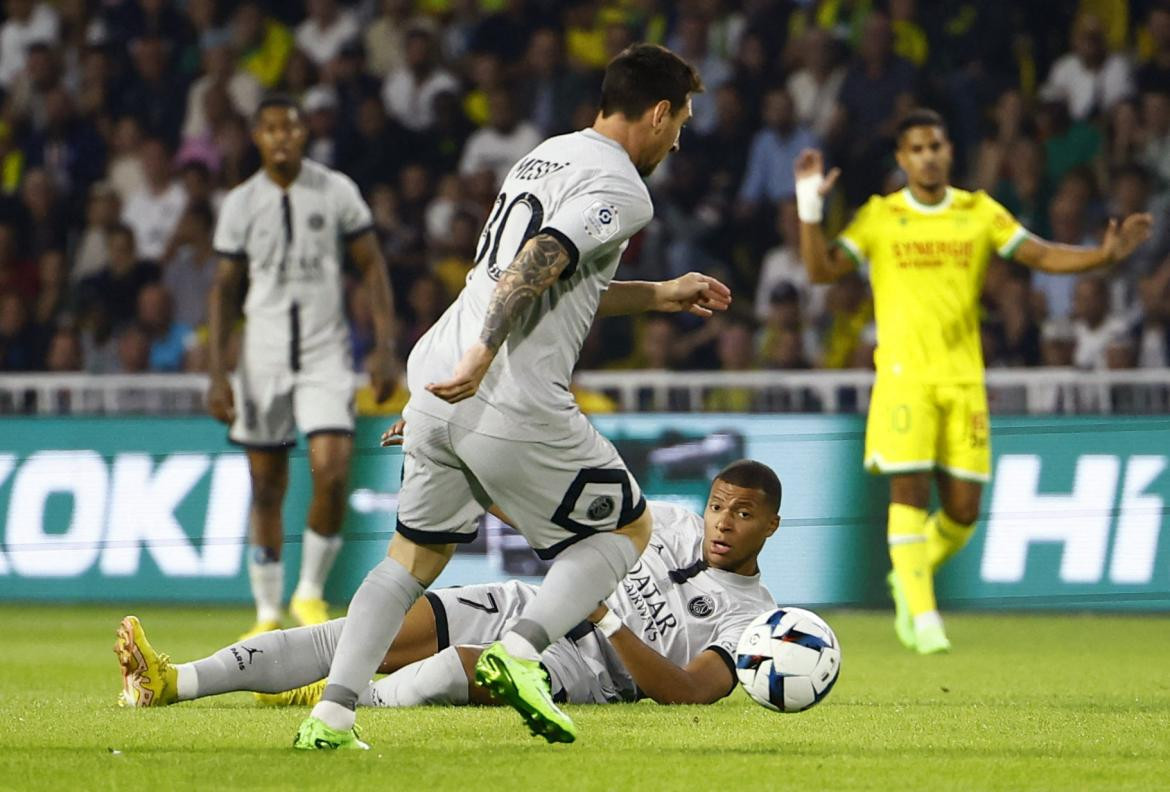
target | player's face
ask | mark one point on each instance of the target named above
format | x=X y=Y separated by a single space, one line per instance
x=280 y=136
x=736 y=524
x=665 y=140
x=924 y=153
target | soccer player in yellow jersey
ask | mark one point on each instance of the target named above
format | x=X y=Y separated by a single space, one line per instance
x=926 y=249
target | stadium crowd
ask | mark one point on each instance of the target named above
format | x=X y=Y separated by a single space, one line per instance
x=124 y=122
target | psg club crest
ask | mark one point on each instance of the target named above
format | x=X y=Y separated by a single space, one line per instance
x=701 y=606
x=601 y=507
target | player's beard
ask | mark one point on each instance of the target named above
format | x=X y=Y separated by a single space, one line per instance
x=645 y=170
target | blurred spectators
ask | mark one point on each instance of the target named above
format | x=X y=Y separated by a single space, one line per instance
x=190 y=271
x=64 y=353
x=169 y=340
x=502 y=143
x=115 y=288
x=153 y=211
x=26 y=23
x=410 y=90
x=879 y=86
x=735 y=349
x=815 y=86
x=1090 y=79
x=1094 y=328
x=327 y=28
x=770 y=176
x=124 y=122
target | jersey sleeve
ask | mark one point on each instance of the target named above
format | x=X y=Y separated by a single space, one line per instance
x=726 y=639
x=353 y=213
x=604 y=213
x=857 y=238
x=231 y=229
x=1006 y=231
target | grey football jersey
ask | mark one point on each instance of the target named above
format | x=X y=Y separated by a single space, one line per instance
x=682 y=606
x=582 y=189
x=293 y=244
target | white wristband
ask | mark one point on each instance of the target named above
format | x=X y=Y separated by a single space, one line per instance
x=609 y=624
x=810 y=204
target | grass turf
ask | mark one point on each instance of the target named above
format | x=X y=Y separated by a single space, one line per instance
x=1025 y=702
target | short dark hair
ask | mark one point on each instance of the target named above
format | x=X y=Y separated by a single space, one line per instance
x=280 y=100
x=641 y=76
x=750 y=474
x=918 y=117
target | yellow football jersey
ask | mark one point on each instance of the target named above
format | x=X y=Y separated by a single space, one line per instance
x=926 y=266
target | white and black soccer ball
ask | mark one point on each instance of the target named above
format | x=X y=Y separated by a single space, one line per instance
x=788 y=659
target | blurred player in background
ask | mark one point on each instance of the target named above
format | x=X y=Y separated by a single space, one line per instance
x=288 y=228
x=926 y=248
x=491 y=418
x=668 y=632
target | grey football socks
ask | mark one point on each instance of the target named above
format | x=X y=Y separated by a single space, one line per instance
x=439 y=679
x=375 y=616
x=270 y=662
x=581 y=577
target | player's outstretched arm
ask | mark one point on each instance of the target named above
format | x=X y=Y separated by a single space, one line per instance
x=704 y=680
x=1120 y=240
x=384 y=368
x=824 y=264
x=222 y=308
x=694 y=292
x=536 y=267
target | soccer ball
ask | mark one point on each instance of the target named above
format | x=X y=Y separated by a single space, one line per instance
x=788 y=659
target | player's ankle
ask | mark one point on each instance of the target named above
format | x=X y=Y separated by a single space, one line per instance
x=519 y=646
x=334 y=715
x=928 y=620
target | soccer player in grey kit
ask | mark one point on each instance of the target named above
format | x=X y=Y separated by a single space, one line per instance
x=289 y=227
x=491 y=419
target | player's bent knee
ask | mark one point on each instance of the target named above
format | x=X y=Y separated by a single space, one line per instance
x=267 y=495
x=423 y=562
x=962 y=513
x=331 y=476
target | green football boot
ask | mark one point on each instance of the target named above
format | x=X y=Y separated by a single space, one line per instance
x=932 y=639
x=314 y=735
x=903 y=621
x=523 y=684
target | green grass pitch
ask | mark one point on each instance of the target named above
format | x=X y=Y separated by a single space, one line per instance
x=1025 y=702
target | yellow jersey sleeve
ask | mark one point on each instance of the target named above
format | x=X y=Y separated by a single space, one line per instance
x=1005 y=230
x=859 y=236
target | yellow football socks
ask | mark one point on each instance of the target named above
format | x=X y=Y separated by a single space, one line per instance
x=944 y=538
x=906 y=532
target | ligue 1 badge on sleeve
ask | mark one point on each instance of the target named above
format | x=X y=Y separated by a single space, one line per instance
x=601 y=221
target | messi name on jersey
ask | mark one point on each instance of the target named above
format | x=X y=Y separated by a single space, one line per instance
x=533 y=168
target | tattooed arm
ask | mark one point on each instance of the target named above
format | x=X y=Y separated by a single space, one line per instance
x=536 y=267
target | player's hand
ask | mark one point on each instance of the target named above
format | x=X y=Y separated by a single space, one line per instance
x=694 y=292
x=598 y=614
x=1121 y=240
x=384 y=372
x=810 y=162
x=220 y=402
x=468 y=374
x=394 y=435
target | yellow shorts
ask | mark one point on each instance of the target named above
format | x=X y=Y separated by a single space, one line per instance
x=918 y=427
